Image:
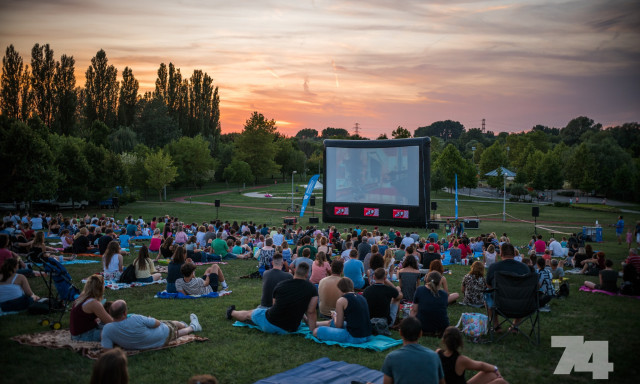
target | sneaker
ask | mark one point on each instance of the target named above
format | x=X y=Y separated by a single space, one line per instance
x=223 y=292
x=195 y=324
x=546 y=308
x=229 y=310
x=225 y=286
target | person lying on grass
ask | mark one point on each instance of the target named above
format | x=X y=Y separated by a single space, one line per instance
x=142 y=332
x=455 y=364
x=189 y=284
x=292 y=299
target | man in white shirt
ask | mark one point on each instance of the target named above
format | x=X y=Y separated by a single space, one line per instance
x=556 y=248
x=407 y=240
x=347 y=251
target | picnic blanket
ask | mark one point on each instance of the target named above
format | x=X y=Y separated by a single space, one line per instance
x=584 y=288
x=114 y=285
x=212 y=295
x=82 y=254
x=2 y=313
x=76 y=261
x=166 y=262
x=326 y=371
x=377 y=343
x=61 y=339
x=303 y=329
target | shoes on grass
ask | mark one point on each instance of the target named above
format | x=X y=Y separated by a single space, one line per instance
x=195 y=324
x=546 y=308
x=229 y=310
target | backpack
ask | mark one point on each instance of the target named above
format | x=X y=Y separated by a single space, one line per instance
x=379 y=326
x=563 y=290
x=474 y=325
x=128 y=275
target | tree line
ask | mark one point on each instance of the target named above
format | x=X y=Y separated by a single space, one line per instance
x=80 y=142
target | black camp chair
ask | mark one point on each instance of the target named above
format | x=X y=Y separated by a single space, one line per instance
x=516 y=297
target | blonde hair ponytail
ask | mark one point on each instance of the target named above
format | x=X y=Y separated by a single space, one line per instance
x=433 y=282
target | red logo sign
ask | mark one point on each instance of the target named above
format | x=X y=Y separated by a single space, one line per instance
x=372 y=212
x=400 y=214
x=341 y=211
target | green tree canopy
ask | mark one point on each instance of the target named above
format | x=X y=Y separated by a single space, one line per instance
x=256 y=145
x=307 y=133
x=193 y=159
x=334 y=133
x=28 y=160
x=11 y=79
x=154 y=127
x=493 y=157
x=239 y=172
x=449 y=163
x=101 y=90
x=446 y=130
x=401 y=133
x=160 y=170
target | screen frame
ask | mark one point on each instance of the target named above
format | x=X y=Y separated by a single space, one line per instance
x=418 y=215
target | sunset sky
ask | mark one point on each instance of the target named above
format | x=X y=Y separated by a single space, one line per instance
x=380 y=63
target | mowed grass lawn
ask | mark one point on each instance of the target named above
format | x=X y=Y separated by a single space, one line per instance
x=240 y=355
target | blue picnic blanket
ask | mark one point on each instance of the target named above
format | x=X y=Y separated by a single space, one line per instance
x=167 y=295
x=303 y=329
x=376 y=343
x=325 y=371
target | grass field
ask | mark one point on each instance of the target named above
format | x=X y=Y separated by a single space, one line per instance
x=237 y=355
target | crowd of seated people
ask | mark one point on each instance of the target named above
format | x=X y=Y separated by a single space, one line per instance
x=385 y=267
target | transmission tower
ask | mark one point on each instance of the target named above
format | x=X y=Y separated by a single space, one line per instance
x=483 y=125
x=357 y=129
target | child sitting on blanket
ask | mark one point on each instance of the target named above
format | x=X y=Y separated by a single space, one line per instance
x=191 y=285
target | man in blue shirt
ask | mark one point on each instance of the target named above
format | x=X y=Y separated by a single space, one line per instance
x=412 y=363
x=354 y=269
x=141 y=332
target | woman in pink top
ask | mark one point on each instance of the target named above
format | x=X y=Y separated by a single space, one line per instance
x=320 y=268
x=156 y=241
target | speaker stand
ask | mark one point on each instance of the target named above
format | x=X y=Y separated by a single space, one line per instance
x=535 y=225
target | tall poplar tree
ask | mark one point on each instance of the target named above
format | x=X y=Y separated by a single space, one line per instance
x=128 y=98
x=43 y=69
x=12 y=68
x=161 y=83
x=101 y=90
x=65 y=96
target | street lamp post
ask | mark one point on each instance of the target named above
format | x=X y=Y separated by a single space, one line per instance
x=292 y=173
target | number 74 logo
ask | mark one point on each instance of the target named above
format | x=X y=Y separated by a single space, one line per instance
x=583 y=356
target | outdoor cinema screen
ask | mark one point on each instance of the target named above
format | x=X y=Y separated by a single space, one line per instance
x=388 y=175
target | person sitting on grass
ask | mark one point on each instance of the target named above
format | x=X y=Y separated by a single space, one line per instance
x=241 y=251
x=413 y=363
x=409 y=278
x=350 y=321
x=292 y=299
x=15 y=292
x=383 y=298
x=593 y=266
x=455 y=364
x=87 y=310
x=320 y=268
x=545 y=286
x=271 y=278
x=141 y=332
x=112 y=261
x=328 y=291
x=608 y=279
x=174 y=269
x=430 y=305
x=473 y=285
x=557 y=272
x=191 y=285
x=436 y=265
x=166 y=249
x=145 y=270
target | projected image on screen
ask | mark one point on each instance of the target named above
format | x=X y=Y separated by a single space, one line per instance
x=373 y=175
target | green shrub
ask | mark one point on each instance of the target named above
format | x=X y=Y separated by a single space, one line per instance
x=560 y=204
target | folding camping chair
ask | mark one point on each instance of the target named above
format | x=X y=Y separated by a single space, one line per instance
x=516 y=297
x=54 y=275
